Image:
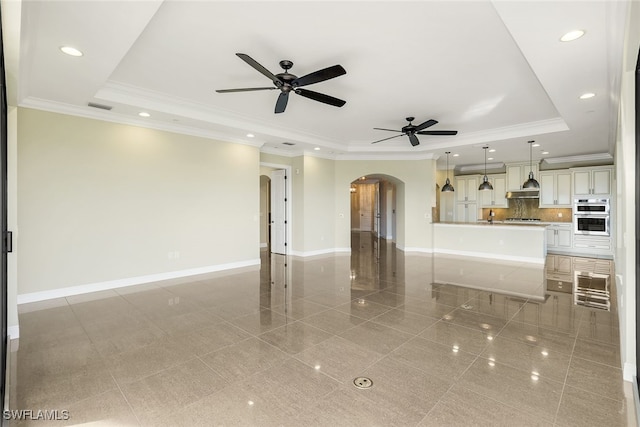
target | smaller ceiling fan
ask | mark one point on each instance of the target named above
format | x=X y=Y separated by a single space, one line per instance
x=411 y=130
x=287 y=83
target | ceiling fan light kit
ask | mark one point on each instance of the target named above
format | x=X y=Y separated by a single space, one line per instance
x=486 y=185
x=288 y=83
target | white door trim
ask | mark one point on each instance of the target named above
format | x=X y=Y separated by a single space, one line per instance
x=289 y=192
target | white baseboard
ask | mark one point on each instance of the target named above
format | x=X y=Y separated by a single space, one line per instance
x=629 y=371
x=418 y=250
x=13 y=332
x=320 y=252
x=130 y=281
x=530 y=260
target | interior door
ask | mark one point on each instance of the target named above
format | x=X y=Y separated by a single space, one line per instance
x=278 y=211
x=366 y=207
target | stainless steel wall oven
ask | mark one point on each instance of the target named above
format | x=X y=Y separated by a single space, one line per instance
x=591 y=217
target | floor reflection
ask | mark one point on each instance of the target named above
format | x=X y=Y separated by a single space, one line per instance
x=281 y=344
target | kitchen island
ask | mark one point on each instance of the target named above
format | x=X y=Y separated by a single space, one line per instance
x=499 y=241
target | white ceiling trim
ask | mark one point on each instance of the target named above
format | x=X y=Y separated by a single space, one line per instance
x=156 y=101
x=113 y=117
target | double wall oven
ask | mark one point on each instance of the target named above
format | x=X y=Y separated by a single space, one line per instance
x=591 y=217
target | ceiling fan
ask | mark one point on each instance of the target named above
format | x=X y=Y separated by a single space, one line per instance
x=411 y=130
x=287 y=83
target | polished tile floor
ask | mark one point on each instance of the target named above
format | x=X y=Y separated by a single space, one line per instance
x=281 y=345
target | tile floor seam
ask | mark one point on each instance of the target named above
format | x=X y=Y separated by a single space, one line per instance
x=124 y=396
x=598 y=363
x=564 y=383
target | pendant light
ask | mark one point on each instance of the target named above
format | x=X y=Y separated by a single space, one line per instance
x=447 y=187
x=531 y=182
x=486 y=185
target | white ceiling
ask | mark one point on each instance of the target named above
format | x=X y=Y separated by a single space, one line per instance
x=495 y=71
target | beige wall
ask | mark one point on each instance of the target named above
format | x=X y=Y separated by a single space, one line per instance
x=318 y=205
x=104 y=202
x=414 y=199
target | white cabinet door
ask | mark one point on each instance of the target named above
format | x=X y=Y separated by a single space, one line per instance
x=472 y=188
x=581 y=183
x=472 y=212
x=564 y=236
x=563 y=188
x=547 y=189
x=514 y=178
x=551 y=237
x=601 y=180
x=500 y=191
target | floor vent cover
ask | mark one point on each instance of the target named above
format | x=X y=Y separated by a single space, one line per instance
x=363 y=382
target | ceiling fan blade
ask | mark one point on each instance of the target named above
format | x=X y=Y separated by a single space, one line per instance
x=319 y=76
x=425 y=125
x=390 y=130
x=391 y=137
x=321 y=97
x=281 y=104
x=249 y=60
x=438 y=132
x=414 y=140
x=246 y=89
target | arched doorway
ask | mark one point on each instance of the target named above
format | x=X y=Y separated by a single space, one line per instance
x=374 y=205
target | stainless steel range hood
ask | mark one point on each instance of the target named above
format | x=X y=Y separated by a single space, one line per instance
x=523 y=194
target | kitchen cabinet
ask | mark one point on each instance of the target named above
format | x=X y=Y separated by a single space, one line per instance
x=595 y=245
x=467 y=188
x=560 y=236
x=555 y=189
x=592 y=181
x=495 y=198
x=467 y=212
x=518 y=173
x=559 y=273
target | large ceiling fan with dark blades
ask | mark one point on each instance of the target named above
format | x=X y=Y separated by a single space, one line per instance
x=288 y=83
x=412 y=130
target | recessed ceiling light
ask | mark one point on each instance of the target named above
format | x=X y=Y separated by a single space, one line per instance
x=456 y=155
x=587 y=95
x=493 y=150
x=536 y=145
x=250 y=135
x=72 y=51
x=144 y=114
x=317 y=148
x=572 y=35
x=545 y=152
x=490 y=158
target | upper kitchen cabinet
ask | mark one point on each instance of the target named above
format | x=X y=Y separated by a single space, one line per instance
x=495 y=198
x=555 y=189
x=467 y=188
x=518 y=173
x=590 y=181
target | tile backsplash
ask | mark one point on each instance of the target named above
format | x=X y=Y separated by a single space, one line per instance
x=528 y=208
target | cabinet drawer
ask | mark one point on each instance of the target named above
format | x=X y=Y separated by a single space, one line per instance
x=560 y=286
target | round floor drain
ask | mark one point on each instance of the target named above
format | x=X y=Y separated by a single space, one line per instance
x=363 y=382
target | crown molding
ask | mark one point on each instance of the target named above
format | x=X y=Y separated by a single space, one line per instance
x=584 y=158
x=114 y=117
